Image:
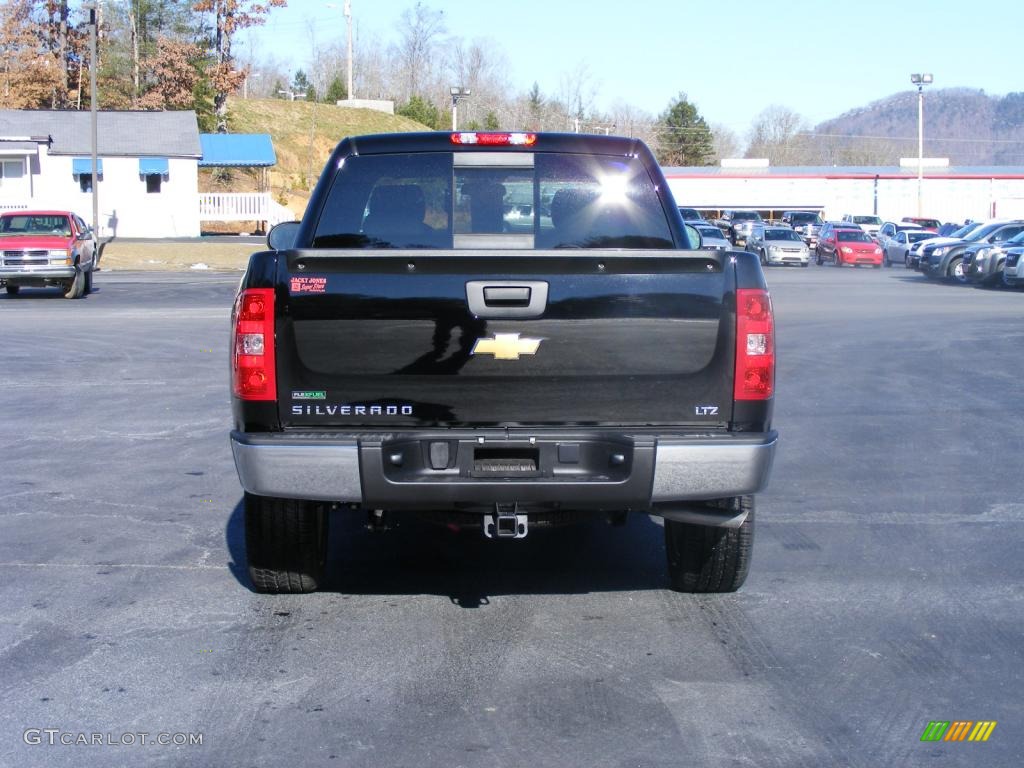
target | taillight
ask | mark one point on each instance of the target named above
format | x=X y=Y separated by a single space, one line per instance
x=252 y=345
x=495 y=139
x=755 y=345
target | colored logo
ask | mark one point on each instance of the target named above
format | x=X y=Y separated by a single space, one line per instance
x=506 y=346
x=314 y=394
x=958 y=730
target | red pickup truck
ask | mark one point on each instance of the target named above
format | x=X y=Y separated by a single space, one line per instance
x=46 y=248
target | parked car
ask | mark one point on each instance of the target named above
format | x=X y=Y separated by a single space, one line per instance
x=870 y=224
x=896 y=249
x=932 y=224
x=46 y=248
x=806 y=223
x=945 y=260
x=983 y=263
x=890 y=228
x=1013 y=268
x=918 y=248
x=711 y=236
x=844 y=243
x=827 y=238
x=778 y=245
x=690 y=214
x=737 y=225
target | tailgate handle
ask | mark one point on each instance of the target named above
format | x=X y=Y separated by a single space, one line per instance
x=507 y=298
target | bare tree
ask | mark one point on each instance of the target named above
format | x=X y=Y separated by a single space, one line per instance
x=578 y=91
x=725 y=142
x=229 y=17
x=776 y=134
x=421 y=29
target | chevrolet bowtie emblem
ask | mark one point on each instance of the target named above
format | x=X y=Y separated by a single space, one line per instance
x=506 y=346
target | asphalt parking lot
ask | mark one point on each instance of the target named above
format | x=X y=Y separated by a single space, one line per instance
x=885 y=592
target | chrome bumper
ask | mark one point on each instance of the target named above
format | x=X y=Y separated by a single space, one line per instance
x=666 y=474
x=38 y=272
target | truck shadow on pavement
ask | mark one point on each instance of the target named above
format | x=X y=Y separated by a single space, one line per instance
x=420 y=558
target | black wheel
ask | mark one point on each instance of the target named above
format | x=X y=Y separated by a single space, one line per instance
x=704 y=558
x=764 y=259
x=817 y=259
x=12 y=290
x=73 y=289
x=88 y=283
x=906 y=261
x=885 y=260
x=285 y=543
x=805 y=263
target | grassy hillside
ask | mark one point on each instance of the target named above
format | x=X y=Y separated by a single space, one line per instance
x=303 y=135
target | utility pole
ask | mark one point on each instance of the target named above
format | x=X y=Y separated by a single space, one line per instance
x=91 y=7
x=348 y=19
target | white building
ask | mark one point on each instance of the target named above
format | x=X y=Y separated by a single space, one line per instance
x=947 y=193
x=147 y=174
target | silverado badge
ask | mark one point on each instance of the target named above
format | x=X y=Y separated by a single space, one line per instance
x=506 y=346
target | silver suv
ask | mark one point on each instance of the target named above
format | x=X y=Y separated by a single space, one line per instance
x=806 y=223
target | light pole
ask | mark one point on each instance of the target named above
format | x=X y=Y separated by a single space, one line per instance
x=920 y=80
x=458 y=94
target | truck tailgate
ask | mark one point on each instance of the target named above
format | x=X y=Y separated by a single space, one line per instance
x=471 y=339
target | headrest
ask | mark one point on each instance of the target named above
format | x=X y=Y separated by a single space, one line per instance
x=401 y=202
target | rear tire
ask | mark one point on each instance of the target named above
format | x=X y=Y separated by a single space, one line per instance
x=88 y=283
x=285 y=543
x=12 y=290
x=704 y=558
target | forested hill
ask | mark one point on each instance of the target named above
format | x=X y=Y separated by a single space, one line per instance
x=967 y=126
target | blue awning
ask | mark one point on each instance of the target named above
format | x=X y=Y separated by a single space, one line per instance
x=151 y=165
x=236 y=149
x=83 y=165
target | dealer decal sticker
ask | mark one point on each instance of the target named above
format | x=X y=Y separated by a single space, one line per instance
x=309 y=285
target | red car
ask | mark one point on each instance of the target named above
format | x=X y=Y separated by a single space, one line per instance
x=932 y=225
x=847 y=244
x=46 y=248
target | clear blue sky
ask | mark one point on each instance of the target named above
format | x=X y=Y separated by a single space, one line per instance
x=733 y=59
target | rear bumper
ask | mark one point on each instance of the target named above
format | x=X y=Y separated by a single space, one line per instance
x=600 y=471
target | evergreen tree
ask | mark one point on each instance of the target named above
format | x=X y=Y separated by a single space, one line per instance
x=684 y=136
x=336 y=91
x=422 y=111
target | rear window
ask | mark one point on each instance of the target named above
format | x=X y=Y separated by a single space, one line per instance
x=499 y=200
x=782 y=234
x=805 y=218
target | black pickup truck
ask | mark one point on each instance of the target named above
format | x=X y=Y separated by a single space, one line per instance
x=506 y=331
